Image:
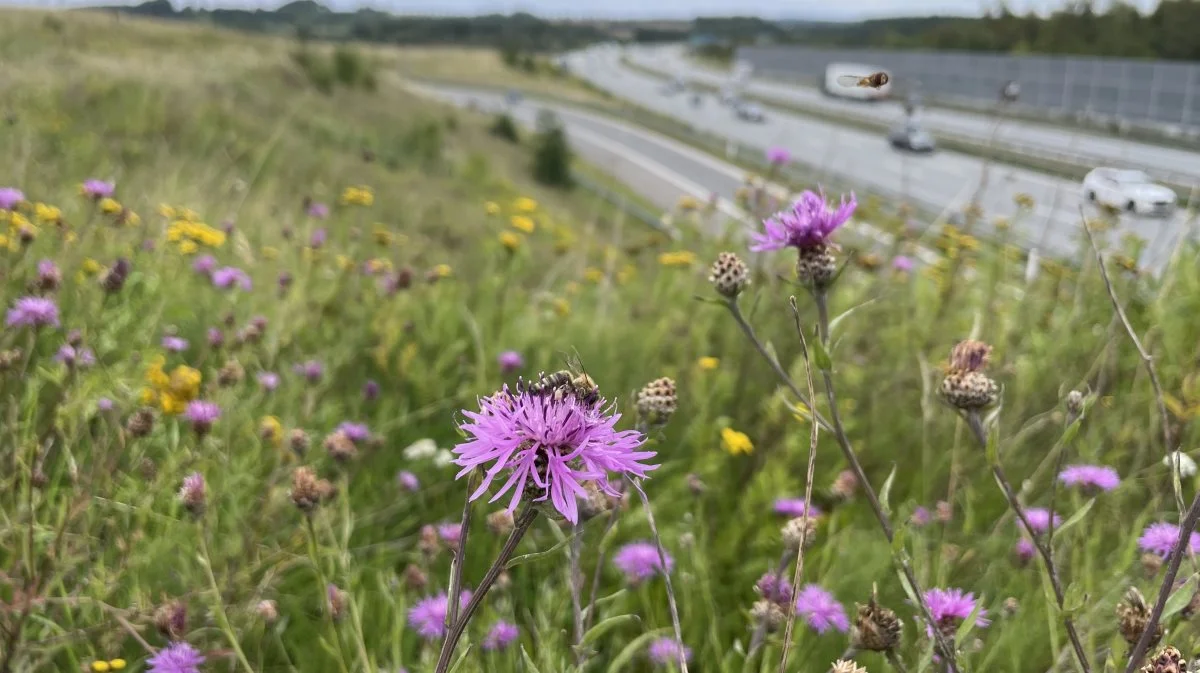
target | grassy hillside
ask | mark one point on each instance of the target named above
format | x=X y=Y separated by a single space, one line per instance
x=340 y=274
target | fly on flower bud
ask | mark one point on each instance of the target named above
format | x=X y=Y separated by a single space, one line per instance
x=729 y=275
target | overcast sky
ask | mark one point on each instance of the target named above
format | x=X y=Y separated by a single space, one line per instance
x=806 y=9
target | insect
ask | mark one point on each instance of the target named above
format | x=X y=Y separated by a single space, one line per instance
x=564 y=382
x=873 y=81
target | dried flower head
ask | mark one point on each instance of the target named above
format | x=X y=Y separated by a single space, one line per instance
x=298 y=441
x=771 y=616
x=267 y=610
x=501 y=522
x=171 y=620
x=1168 y=660
x=657 y=401
x=336 y=602
x=844 y=486
x=415 y=578
x=876 y=628
x=1133 y=616
x=844 y=666
x=802 y=529
x=729 y=275
x=231 y=373
x=306 y=489
x=340 y=447
x=966 y=386
x=140 y=423
x=1074 y=403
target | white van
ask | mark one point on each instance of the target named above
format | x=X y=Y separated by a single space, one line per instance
x=835 y=70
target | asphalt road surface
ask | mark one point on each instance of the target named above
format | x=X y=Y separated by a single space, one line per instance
x=941 y=180
x=1092 y=149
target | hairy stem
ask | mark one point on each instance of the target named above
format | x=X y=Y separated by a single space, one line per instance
x=808 y=483
x=456 y=562
x=1044 y=550
x=662 y=558
x=522 y=525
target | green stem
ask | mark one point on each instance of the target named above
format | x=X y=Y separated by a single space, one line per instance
x=219 y=607
x=324 y=588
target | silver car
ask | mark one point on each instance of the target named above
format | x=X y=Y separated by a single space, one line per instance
x=911 y=137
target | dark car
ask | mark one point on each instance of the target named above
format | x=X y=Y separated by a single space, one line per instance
x=911 y=137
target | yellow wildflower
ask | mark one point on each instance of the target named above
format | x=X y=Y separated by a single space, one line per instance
x=593 y=274
x=171 y=405
x=187 y=214
x=17 y=220
x=525 y=205
x=510 y=240
x=492 y=208
x=188 y=248
x=129 y=218
x=442 y=270
x=185 y=382
x=110 y=206
x=522 y=223
x=269 y=252
x=343 y=262
x=5 y=242
x=92 y=267
x=803 y=413
x=682 y=258
x=357 y=196
x=562 y=307
x=117 y=664
x=626 y=274
x=378 y=265
x=148 y=396
x=735 y=442
x=155 y=375
x=166 y=211
x=708 y=363
x=48 y=214
x=101 y=666
x=383 y=236
x=271 y=430
x=688 y=203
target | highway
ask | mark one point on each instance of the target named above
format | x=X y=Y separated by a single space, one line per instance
x=1091 y=149
x=943 y=179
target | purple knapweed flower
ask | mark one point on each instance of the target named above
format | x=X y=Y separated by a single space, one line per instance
x=450 y=533
x=370 y=390
x=902 y=263
x=355 y=432
x=311 y=370
x=227 y=226
x=808 y=223
x=778 y=156
x=951 y=607
x=820 y=609
x=920 y=516
x=795 y=507
x=175 y=344
x=548 y=445
x=639 y=561
x=1160 y=538
x=202 y=415
x=1024 y=549
x=407 y=480
x=500 y=636
x=428 y=616
x=33 y=312
x=268 y=380
x=318 y=210
x=226 y=277
x=1090 y=477
x=216 y=338
x=1039 y=519
x=775 y=588
x=666 y=651
x=10 y=197
x=75 y=357
x=104 y=404
x=97 y=189
x=204 y=264
x=318 y=238
x=176 y=658
x=49 y=275
x=510 y=361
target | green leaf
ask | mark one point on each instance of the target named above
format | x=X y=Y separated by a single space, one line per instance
x=631 y=650
x=993 y=447
x=529 y=661
x=526 y=558
x=598 y=631
x=605 y=600
x=1074 y=598
x=462 y=658
x=833 y=324
x=960 y=635
x=887 y=491
x=1076 y=517
x=1180 y=598
x=820 y=356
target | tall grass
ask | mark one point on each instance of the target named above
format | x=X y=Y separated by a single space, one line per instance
x=390 y=259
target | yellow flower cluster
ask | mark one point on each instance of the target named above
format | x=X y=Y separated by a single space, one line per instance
x=680 y=258
x=735 y=442
x=522 y=223
x=442 y=270
x=110 y=206
x=688 y=203
x=492 y=208
x=357 y=196
x=100 y=666
x=379 y=265
x=525 y=205
x=170 y=392
x=510 y=240
x=271 y=430
x=190 y=235
x=47 y=214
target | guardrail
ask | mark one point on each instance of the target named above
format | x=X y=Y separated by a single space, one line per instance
x=1063 y=163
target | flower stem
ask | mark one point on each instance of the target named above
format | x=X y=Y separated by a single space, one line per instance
x=592 y=596
x=576 y=580
x=894 y=660
x=1047 y=554
x=456 y=562
x=521 y=526
x=219 y=606
x=316 y=562
x=839 y=431
x=760 y=631
x=1164 y=592
x=662 y=558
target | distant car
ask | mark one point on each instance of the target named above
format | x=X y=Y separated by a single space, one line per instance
x=697 y=99
x=513 y=97
x=750 y=112
x=910 y=136
x=1130 y=190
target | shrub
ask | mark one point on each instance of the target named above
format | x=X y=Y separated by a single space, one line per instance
x=504 y=127
x=551 y=153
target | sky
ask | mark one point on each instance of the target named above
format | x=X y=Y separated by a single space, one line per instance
x=641 y=9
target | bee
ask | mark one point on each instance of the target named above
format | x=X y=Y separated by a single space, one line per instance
x=873 y=81
x=562 y=383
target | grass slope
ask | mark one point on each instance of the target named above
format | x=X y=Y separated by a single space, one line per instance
x=415 y=290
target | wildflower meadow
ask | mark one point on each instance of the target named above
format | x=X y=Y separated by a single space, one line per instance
x=309 y=381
